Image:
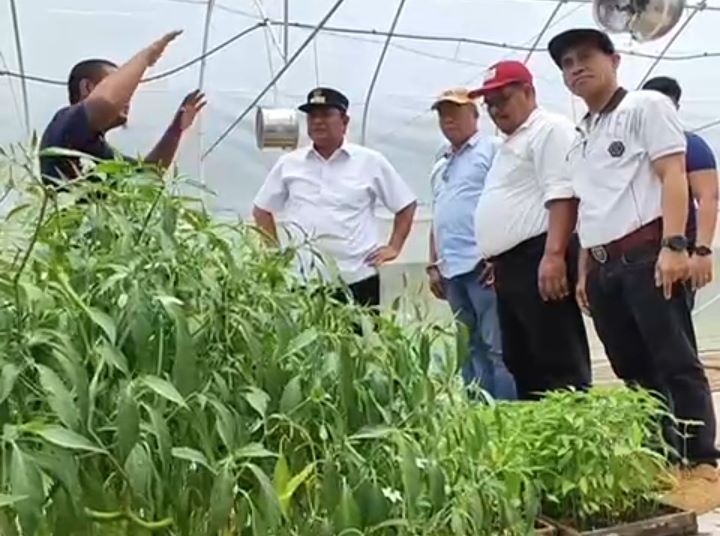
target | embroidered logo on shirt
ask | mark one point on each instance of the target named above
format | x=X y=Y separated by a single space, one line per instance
x=616 y=149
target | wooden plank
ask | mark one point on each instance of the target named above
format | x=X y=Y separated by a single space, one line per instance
x=543 y=528
x=674 y=523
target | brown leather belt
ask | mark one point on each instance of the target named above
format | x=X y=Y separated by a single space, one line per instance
x=648 y=235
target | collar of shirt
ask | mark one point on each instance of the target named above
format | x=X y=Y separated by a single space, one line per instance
x=471 y=142
x=531 y=119
x=344 y=149
x=590 y=119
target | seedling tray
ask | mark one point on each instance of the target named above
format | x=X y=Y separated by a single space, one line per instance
x=672 y=522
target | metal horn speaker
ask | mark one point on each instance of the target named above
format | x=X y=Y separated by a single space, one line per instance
x=277 y=128
x=646 y=20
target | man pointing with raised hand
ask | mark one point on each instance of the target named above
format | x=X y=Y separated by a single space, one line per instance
x=100 y=94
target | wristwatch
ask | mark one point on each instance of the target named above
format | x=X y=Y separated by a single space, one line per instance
x=675 y=243
x=702 y=251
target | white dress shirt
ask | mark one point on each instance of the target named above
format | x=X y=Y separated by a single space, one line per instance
x=611 y=165
x=528 y=172
x=329 y=206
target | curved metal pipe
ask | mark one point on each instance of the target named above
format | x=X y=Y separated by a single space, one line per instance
x=205 y=42
x=201 y=82
x=483 y=42
x=376 y=74
x=544 y=29
x=21 y=65
x=275 y=78
x=286 y=29
x=698 y=8
x=273 y=37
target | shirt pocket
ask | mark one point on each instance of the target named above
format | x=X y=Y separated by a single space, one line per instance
x=347 y=193
x=302 y=188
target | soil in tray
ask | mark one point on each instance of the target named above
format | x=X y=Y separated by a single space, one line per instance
x=661 y=520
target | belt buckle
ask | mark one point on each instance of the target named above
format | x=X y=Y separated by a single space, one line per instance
x=599 y=253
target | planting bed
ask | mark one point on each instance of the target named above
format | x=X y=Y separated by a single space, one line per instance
x=670 y=522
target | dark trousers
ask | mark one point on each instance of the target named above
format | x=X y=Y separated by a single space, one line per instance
x=650 y=342
x=365 y=292
x=545 y=345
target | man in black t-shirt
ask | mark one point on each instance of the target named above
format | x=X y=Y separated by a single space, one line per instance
x=100 y=94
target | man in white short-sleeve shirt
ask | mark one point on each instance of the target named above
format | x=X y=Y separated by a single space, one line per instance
x=524 y=223
x=327 y=193
x=628 y=171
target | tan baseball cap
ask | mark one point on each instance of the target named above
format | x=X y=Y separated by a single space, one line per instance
x=457 y=95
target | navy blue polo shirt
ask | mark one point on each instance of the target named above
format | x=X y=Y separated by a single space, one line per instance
x=70 y=129
x=699 y=156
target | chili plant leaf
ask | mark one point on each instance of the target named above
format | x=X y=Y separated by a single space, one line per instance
x=165 y=389
x=184 y=371
x=258 y=399
x=26 y=481
x=62 y=437
x=299 y=343
x=127 y=423
x=191 y=455
x=138 y=468
x=253 y=450
x=9 y=500
x=291 y=486
x=10 y=372
x=269 y=504
x=292 y=395
x=113 y=357
x=221 y=499
x=59 y=397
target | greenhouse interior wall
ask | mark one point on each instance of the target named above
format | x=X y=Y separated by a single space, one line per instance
x=436 y=44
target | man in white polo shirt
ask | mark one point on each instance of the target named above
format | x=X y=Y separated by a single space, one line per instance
x=524 y=224
x=628 y=171
x=328 y=191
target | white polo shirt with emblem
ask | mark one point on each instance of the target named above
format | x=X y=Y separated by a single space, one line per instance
x=329 y=205
x=610 y=164
x=527 y=173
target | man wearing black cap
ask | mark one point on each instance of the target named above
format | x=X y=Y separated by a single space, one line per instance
x=328 y=193
x=628 y=171
x=701 y=170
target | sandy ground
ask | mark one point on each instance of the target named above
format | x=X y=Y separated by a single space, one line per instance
x=710 y=523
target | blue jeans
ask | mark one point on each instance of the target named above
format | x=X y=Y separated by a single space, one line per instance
x=475 y=305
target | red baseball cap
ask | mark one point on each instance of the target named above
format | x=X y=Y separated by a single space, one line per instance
x=502 y=74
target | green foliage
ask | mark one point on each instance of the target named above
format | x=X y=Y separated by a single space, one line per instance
x=162 y=371
x=196 y=388
x=598 y=458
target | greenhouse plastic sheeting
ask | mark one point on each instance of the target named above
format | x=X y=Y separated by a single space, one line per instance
x=54 y=34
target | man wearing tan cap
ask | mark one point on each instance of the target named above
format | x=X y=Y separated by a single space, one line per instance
x=529 y=204
x=456 y=272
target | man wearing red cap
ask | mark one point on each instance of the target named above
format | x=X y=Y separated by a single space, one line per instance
x=628 y=170
x=524 y=225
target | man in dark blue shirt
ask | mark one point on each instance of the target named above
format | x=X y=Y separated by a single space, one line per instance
x=100 y=93
x=702 y=175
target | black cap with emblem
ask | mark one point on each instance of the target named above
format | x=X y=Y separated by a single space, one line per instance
x=559 y=44
x=327 y=97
